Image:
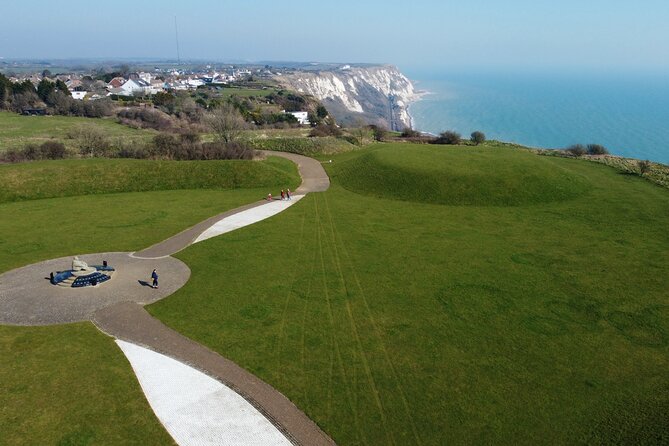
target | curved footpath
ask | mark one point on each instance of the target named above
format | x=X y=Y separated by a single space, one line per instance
x=116 y=308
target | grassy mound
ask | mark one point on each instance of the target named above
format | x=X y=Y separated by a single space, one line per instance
x=64 y=178
x=459 y=176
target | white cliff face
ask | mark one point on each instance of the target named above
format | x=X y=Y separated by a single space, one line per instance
x=382 y=92
x=328 y=86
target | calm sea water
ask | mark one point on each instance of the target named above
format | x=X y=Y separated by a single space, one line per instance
x=628 y=114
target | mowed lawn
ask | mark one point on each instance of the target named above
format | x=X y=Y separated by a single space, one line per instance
x=70 y=384
x=17 y=130
x=453 y=305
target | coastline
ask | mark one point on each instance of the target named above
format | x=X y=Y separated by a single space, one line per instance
x=545 y=113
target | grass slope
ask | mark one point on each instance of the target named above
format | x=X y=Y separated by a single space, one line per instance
x=70 y=385
x=47 y=179
x=403 y=322
x=17 y=130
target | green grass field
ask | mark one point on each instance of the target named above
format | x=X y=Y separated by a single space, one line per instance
x=227 y=92
x=16 y=130
x=449 y=296
x=69 y=384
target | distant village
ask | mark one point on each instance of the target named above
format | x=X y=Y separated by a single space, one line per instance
x=120 y=82
x=85 y=86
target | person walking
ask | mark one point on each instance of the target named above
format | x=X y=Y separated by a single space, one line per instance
x=288 y=197
x=269 y=197
x=154 y=277
x=283 y=195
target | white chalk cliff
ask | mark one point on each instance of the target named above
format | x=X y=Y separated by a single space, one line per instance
x=378 y=94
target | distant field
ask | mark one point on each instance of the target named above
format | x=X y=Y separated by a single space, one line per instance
x=227 y=92
x=397 y=314
x=16 y=130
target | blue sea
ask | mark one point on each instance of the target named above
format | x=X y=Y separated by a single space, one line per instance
x=629 y=114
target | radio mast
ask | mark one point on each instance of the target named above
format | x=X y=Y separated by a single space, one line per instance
x=176 y=35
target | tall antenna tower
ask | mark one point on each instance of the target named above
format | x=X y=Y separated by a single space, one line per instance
x=176 y=35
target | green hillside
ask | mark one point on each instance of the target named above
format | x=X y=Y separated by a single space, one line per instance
x=450 y=296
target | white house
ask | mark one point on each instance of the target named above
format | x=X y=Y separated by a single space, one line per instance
x=301 y=116
x=78 y=94
x=135 y=86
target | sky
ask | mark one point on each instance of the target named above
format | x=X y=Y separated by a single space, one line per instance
x=419 y=34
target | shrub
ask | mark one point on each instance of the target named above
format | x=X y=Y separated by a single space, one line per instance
x=408 y=132
x=576 y=150
x=90 y=140
x=597 y=149
x=227 y=151
x=448 y=137
x=325 y=130
x=378 y=132
x=53 y=150
x=32 y=152
x=12 y=156
x=145 y=118
x=478 y=137
x=644 y=167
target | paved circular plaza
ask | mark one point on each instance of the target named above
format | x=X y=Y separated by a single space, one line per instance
x=27 y=297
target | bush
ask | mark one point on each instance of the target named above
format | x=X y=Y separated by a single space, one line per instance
x=91 y=141
x=378 y=133
x=322 y=130
x=408 y=132
x=50 y=150
x=478 y=137
x=576 y=150
x=597 y=149
x=227 y=151
x=187 y=146
x=145 y=118
x=53 y=150
x=448 y=137
x=644 y=167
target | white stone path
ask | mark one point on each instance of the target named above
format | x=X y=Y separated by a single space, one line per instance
x=248 y=217
x=195 y=408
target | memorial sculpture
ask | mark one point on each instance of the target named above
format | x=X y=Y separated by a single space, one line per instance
x=82 y=275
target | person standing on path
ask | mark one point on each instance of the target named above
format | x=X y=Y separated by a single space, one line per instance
x=154 y=276
x=288 y=195
x=283 y=195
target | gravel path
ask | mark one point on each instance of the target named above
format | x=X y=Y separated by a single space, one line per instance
x=116 y=308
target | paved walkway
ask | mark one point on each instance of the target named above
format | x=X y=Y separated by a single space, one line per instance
x=314 y=179
x=116 y=307
x=131 y=323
